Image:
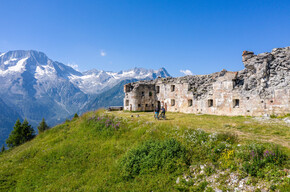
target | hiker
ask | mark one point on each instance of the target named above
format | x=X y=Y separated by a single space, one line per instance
x=163 y=112
x=156 y=111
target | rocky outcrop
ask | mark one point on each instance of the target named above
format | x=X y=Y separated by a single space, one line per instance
x=266 y=71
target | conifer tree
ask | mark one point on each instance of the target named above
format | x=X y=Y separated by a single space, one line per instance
x=2 y=148
x=42 y=126
x=76 y=116
x=20 y=134
x=27 y=131
x=15 y=136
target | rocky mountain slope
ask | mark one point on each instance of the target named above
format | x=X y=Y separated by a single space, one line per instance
x=111 y=97
x=36 y=86
x=7 y=120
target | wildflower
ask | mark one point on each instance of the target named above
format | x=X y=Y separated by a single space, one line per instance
x=253 y=154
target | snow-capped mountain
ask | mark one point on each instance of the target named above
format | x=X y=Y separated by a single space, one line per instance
x=38 y=87
x=35 y=86
x=94 y=81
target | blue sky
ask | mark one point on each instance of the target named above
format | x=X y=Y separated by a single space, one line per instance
x=200 y=36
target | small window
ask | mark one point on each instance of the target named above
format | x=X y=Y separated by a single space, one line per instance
x=248 y=111
x=271 y=101
x=189 y=102
x=262 y=101
x=139 y=105
x=196 y=109
x=152 y=105
x=172 y=102
x=127 y=102
x=172 y=88
x=128 y=88
x=210 y=102
x=236 y=103
x=248 y=98
x=146 y=105
x=142 y=94
x=157 y=89
x=150 y=94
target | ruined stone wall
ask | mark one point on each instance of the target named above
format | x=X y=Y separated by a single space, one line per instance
x=261 y=88
x=141 y=97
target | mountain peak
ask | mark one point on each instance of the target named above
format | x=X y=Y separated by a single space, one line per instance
x=23 y=54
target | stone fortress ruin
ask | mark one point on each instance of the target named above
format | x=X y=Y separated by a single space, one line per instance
x=262 y=87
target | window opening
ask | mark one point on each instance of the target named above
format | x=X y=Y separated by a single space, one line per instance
x=236 y=103
x=157 y=89
x=189 y=102
x=210 y=103
x=172 y=102
x=172 y=88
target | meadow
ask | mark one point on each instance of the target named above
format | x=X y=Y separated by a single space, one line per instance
x=123 y=151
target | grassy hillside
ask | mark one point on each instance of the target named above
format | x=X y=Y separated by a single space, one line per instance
x=103 y=151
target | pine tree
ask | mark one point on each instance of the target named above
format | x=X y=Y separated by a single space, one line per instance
x=2 y=148
x=20 y=134
x=27 y=131
x=76 y=116
x=42 y=126
x=15 y=136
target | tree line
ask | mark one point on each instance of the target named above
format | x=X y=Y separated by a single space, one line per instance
x=23 y=132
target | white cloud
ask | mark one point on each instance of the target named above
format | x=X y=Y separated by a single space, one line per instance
x=74 y=66
x=186 y=72
x=103 y=53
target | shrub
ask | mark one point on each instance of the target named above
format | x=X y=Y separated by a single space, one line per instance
x=257 y=157
x=197 y=136
x=2 y=149
x=42 y=126
x=75 y=116
x=151 y=156
x=227 y=137
x=105 y=124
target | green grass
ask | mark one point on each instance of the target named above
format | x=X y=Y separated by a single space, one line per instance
x=86 y=154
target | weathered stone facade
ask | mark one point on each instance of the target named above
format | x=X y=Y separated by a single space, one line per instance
x=261 y=88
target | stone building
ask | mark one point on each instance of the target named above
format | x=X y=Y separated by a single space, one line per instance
x=262 y=87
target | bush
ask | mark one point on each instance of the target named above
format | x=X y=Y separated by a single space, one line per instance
x=227 y=137
x=2 y=149
x=42 y=126
x=198 y=136
x=76 y=116
x=257 y=157
x=106 y=125
x=151 y=156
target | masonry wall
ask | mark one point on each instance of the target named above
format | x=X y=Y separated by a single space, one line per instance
x=262 y=87
x=223 y=99
x=140 y=98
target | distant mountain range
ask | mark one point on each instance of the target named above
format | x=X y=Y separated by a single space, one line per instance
x=34 y=86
